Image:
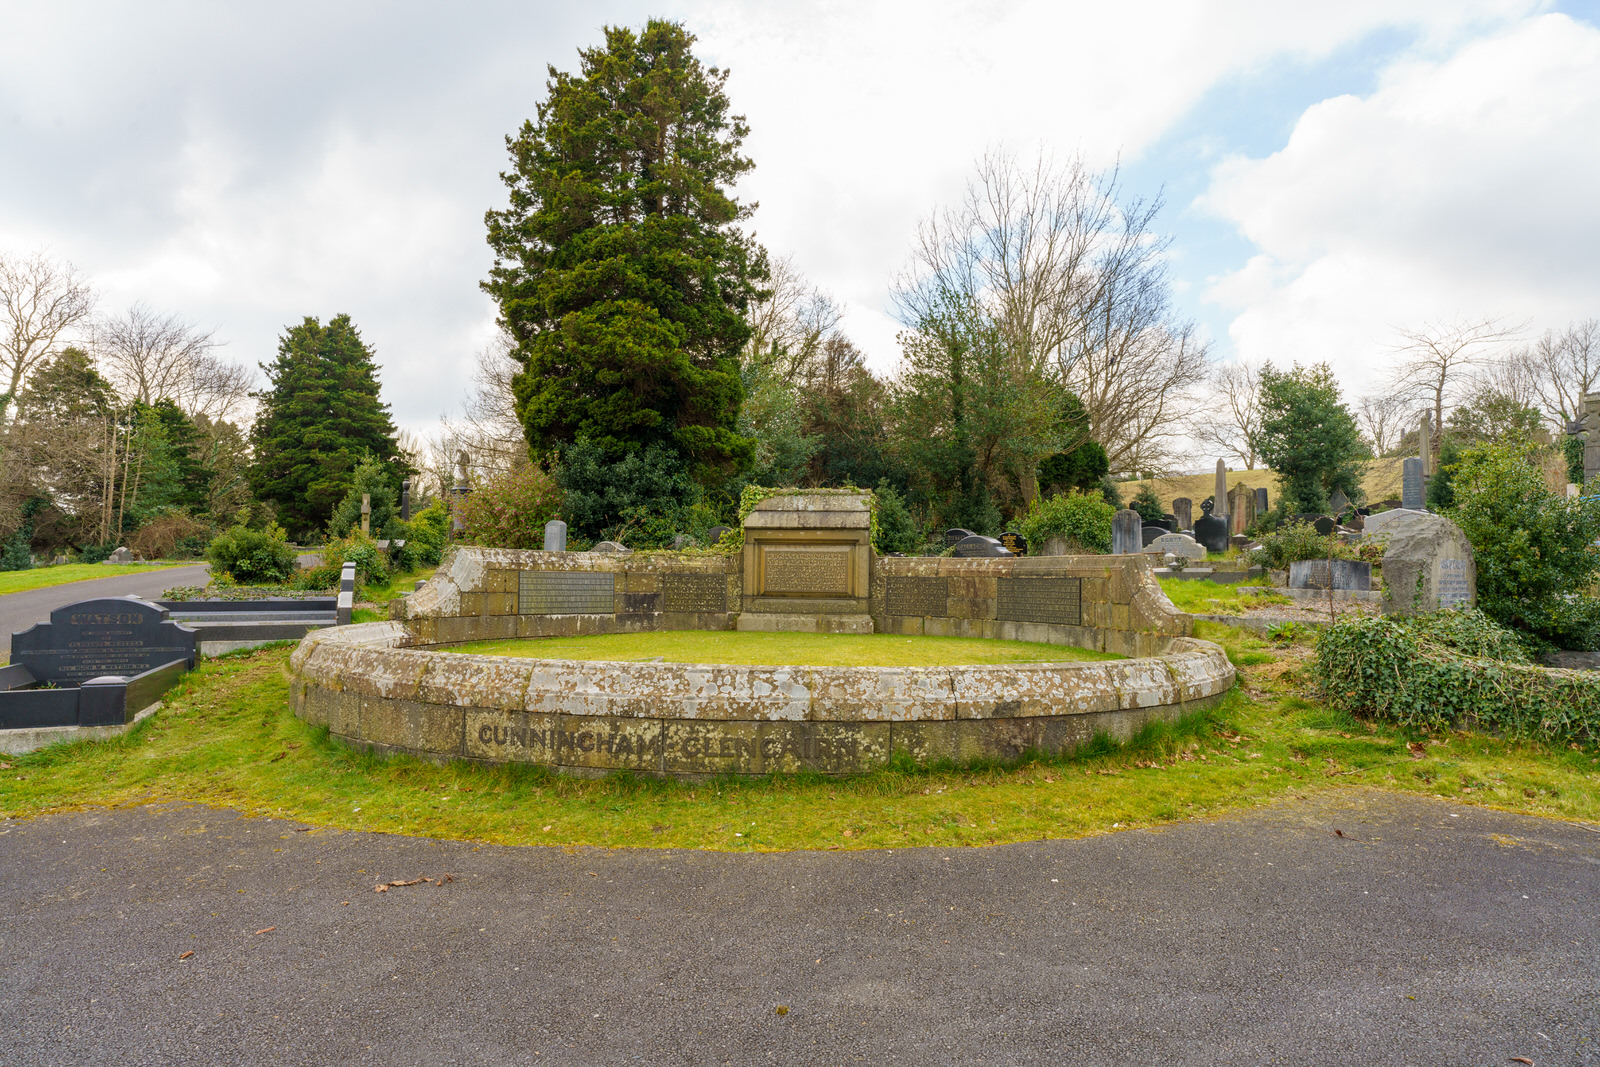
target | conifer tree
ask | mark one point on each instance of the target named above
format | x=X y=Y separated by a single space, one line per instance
x=620 y=269
x=319 y=417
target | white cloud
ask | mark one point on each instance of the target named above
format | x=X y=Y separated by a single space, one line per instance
x=1460 y=188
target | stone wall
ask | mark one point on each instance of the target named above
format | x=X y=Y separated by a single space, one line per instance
x=483 y=594
x=1107 y=603
x=689 y=719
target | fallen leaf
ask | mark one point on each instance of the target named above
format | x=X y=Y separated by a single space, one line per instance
x=443 y=878
x=268 y=930
x=1338 y=833
x=1521 y=1059
x=186 y=955
x=848 y=833
x=380 y=889
x=301 y=829
x=1417 y=749
x=781 y=1010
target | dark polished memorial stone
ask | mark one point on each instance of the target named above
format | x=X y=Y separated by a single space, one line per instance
x=117 y=636
x=979 y=547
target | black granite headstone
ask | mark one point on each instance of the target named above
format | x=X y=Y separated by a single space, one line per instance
x=1148 y=533
x=114 y=636
x=1323 y=525
x=1261 y=501
x=1015 y=543
x=1211 y=531
x=954 y=536
x=979 y=547
x=1413 y=487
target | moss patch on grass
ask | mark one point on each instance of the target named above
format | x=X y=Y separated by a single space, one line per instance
x=810 y=650
x=66 y=573
x=227 y=737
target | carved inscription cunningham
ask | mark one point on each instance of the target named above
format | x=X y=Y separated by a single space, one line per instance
x=810 y=573
x=1052 y=600
x=694 y=592
x=915 y=596
x=547 y=593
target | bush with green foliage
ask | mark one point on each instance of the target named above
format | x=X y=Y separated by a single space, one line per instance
x=253 y=557
x=1147 y=504
x=642 y=500
x=897 y=530
x=1536 y=550
x=1083 y=468
x=1309 y=437
x=509 y=510
x=427 y=534
x=1295 y=542
x=1441 y=485
x=1082 y=519
x=381 y=483
x=1453 y=669
x=1572 y=448
x=1110 y=493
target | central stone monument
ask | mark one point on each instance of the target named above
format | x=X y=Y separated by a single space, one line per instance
x=808 y=564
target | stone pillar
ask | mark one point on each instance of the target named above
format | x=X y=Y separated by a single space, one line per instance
x=1425 y=446
x=1126 y=536
x=461 y=489
x=1591 y=437
x=1219 y=497
x=366 y=514
x=405 y=500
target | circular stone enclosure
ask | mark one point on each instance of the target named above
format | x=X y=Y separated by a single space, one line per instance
x=373 y=685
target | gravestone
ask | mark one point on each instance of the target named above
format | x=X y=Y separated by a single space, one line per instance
x=1176 y=544
x=366 y=514
x=1125 y=538
x=1219 y=498
x=405 y=500
x=1211 y=531
x=1015 y=543
x=954 y=535
x=806 y=563
x=1389 y=521
x=1261 y=501
x=1242 y=509
x=121 y=555
x=1323 y=525
x=714 y=534
x=555 y=536
x=1169 y=521
x=1413 y=493
x=1428 y=565
x=979 y=547
x=1183 y=511
x=1150 y=533
x=1338 y=503
x=681 y=542
x=113 y=636
x=1315 y=574
x=611 y=548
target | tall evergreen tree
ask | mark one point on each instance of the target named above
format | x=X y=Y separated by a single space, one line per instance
x=1309 y=437
x=317 y=420
x=620 y=268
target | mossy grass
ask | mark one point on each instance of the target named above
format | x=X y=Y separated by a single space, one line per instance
x=226 y=737
x=812 y=650
x=66 y=573
x=1198 y=596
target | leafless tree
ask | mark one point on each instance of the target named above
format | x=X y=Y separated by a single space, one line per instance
x=488 y=428
x=790 y=326
x=1435 y=364
x=42 y=302
x=1072 y=278
x=149 y=357
x=1229 y=418
x=1385 y=417
x=1562 y=367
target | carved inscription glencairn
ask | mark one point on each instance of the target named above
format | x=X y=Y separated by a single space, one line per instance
x=1051 y=600
x=556 y=593
x=694 y=592
x=794 y=571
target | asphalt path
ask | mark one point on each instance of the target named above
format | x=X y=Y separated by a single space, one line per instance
x=18 y=611
x=1359 y=928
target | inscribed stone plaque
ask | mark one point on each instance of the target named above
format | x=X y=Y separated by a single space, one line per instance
x=1452 y=583
x=810 y=573
x=1052 y=600
x=694 y=592
x=112 y=636
x=562 y=593
x=915 y=596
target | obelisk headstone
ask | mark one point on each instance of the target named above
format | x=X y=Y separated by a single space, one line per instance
x=405 y=500
x=1412 y=493
x=1126 y=536
x=1219 y=506
x=1425 y=446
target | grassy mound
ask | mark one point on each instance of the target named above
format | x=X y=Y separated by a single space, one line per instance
x=787 y=650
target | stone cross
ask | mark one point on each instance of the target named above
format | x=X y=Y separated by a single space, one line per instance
x=366 y=514
x=1219 y=507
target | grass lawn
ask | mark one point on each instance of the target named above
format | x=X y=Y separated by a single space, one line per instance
x=1205 y=597
x=811 y=650
x=41 y=577
x=227 y=737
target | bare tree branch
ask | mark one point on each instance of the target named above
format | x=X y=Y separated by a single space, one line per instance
x=1435 y=359
x=1229 y=418
x=1562 y=367
x=150 y=358
x=41 y=303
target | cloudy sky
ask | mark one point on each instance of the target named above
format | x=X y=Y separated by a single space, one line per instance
x=1329 y=177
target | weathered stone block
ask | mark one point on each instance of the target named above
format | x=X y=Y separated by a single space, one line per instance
x=473 y=604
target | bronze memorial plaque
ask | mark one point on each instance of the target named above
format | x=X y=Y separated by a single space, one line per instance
x=563 y=593
x=810 y=573
x=915 y=596
x=694 y=592
x=1052 y=600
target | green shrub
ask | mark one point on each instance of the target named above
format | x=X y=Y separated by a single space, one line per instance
x=1297 y=541
x=363 y=551
x=430 y=532
x=1456 y=668
x=1535 y=549
x=1083 y=519
x=897 y=530
x=510 y=510
x=253 y=557
x=641 y=500
x=1147 y=504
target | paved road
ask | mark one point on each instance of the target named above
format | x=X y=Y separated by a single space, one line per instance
x=1427 y=934
x=18 y=611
